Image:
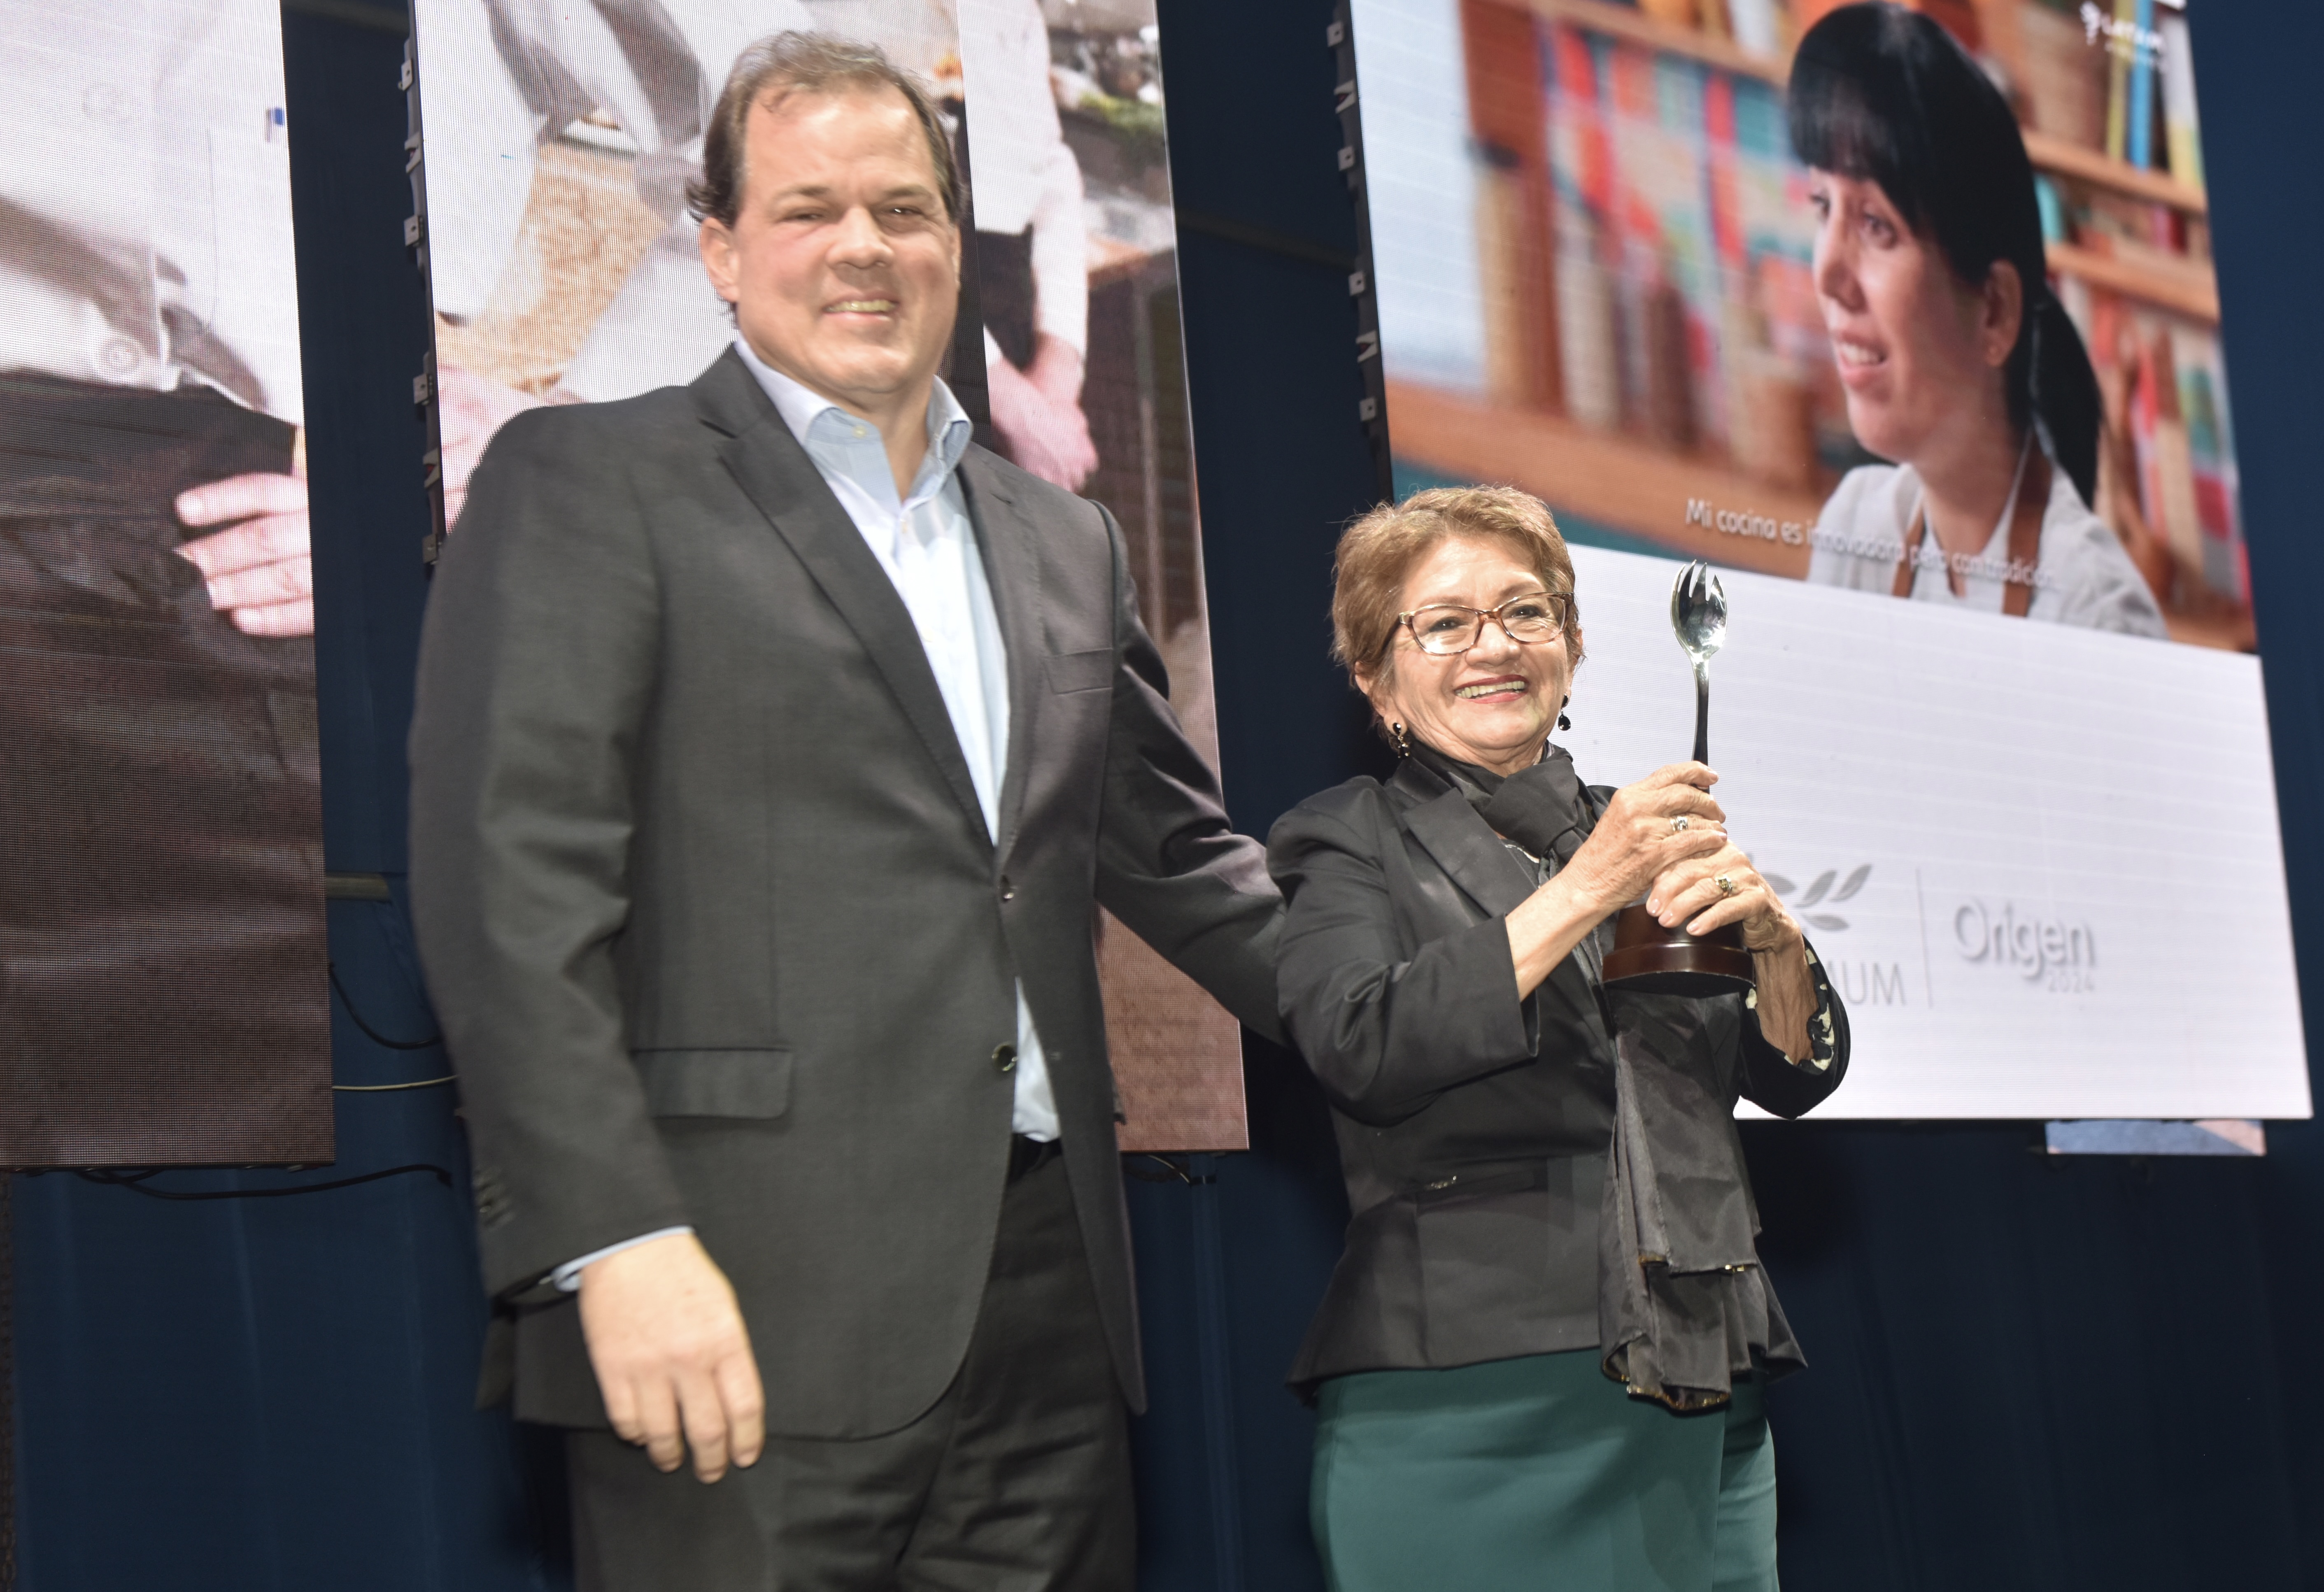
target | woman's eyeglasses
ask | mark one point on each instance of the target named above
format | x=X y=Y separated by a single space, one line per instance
x=1446 y=629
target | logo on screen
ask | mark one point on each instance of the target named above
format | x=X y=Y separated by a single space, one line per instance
x=2123 y=39
x=1821 y=893
x=2050 y=951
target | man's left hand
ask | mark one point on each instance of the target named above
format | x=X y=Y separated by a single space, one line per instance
x=259 y=569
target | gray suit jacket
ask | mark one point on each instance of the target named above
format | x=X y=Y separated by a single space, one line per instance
x=1474 y=1127
x=710 y=912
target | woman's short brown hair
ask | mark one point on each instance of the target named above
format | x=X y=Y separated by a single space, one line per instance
x=1377 y=553
x=807 y=63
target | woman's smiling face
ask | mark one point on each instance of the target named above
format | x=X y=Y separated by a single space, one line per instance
x=1918 y=350
x=1493 y=705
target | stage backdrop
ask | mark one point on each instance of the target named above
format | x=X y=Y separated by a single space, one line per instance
x=163 y=973
x=2041 y=858
x=564 y=268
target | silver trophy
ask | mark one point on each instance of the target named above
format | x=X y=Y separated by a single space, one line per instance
x=1647 y=957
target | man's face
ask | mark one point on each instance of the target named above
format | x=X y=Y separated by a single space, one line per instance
x=842 y=265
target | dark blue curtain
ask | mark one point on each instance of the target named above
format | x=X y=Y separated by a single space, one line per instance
x=2028 y=1371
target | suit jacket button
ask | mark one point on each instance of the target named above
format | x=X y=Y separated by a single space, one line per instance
x=1004 y=1056
x=1007 y=890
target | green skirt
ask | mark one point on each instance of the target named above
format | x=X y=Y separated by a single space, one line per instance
x=1540 y=1474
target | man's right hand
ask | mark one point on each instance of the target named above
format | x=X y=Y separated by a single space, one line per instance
x=672 y=1357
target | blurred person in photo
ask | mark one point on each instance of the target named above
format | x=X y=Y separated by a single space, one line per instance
x=512 y=75
x=173 y=275
x=160 y=888
x=501 y=78
x=1958 y=361
x=1032 y=247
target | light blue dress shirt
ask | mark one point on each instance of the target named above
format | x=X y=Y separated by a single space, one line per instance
x=927 y=546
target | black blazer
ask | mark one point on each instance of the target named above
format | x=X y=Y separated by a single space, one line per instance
x=710 y=912
x=1473 y=1128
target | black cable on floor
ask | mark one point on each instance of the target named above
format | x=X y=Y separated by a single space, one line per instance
x=135 y=1184
x=369 y=1032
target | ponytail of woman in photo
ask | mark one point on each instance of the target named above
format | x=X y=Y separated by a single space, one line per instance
x=1958 y=361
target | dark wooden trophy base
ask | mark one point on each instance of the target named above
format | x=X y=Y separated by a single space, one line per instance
x=1652 y=960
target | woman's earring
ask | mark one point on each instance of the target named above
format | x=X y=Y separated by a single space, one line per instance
x=1562 y=722
x=1402 y=738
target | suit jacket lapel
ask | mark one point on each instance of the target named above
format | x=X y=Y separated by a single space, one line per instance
x=1463 y=844
x=1011 y=551
x=776 y=473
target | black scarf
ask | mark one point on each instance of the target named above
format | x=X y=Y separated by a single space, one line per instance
x=1545 y=808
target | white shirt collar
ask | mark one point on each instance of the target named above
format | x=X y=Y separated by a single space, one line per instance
x=813 y=417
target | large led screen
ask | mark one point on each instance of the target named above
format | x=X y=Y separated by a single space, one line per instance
x=564 y=268
x=162 y=975
x=1713 y=278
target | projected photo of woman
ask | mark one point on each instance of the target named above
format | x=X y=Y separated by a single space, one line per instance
x=1956 y=360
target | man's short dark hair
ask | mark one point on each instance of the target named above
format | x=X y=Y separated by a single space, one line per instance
x=784 y=64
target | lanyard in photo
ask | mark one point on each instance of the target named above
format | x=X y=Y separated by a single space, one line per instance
x=2029 y=497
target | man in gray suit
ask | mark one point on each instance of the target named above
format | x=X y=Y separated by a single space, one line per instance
x=773 y=747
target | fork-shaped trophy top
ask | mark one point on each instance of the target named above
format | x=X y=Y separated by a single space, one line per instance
x=1699 y=617
x=1699 y=610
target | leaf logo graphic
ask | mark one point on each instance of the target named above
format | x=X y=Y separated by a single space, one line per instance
x=1816 y=892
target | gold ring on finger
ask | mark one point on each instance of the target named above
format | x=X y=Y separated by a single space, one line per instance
x=1726 y=883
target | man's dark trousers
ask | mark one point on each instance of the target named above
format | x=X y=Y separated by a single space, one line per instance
x=1016 y=1481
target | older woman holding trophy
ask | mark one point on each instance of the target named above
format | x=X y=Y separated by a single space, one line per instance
x=1540 y=1360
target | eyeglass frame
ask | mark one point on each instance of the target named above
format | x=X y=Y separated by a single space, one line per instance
x=1564 y=602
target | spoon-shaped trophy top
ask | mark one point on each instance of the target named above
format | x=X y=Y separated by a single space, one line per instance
x=1699 y=618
